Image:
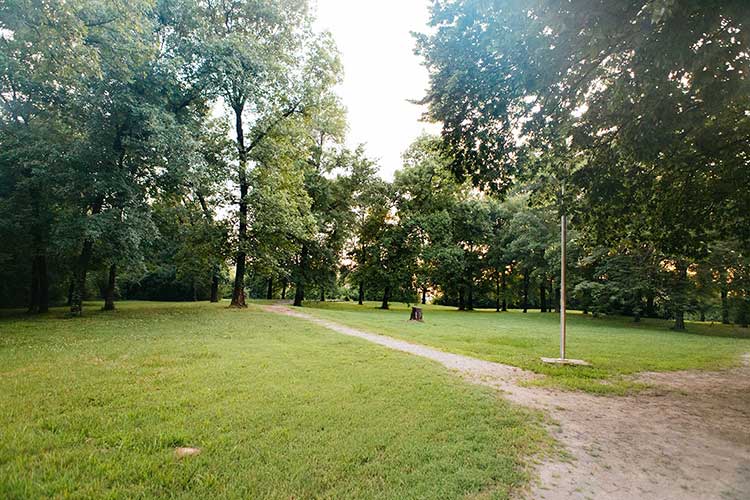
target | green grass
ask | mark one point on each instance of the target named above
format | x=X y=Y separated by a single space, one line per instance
x=93 y=407
x=614 y=346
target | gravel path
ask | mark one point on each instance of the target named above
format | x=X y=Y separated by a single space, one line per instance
x=687 y=439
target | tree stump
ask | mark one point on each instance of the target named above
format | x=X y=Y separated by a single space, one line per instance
x=416 y=314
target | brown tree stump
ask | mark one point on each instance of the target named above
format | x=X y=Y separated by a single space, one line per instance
x=416 y=314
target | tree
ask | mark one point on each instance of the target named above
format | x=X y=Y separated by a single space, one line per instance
x=266 y=66
x=531 y=234
x=139 y=121
x=393 y=260
x=427 y=199
x=38 y=122
x=620 y=281
x=205 y=183
x=599 y=94
x=278 y=206
x=369 y=204
x=326 y=168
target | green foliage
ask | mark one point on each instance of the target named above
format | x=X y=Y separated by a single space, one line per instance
x=632 y=116
x=109 y=127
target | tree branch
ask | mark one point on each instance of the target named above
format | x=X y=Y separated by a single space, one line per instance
x=289 y=112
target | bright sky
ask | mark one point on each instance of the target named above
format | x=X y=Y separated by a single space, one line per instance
x=381 y=72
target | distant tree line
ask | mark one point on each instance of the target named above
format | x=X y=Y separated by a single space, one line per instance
x=193 y=150
x=428 y=235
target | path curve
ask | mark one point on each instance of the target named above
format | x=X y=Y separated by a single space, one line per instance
x=687 y=439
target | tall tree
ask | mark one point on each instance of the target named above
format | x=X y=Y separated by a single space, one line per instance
x=261 y=60
x=369 y=202
x=38 y=120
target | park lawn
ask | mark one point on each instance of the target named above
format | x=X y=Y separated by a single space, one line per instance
x=94 y=407
x=614 y=346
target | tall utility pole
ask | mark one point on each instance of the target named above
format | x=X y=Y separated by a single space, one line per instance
x=562 y=360
x=563 y=250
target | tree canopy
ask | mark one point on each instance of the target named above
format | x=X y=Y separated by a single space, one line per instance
x=187 y=150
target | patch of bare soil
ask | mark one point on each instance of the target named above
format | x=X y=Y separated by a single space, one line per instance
x=688 y=438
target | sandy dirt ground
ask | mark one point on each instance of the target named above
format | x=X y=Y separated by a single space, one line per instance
x=687 y=438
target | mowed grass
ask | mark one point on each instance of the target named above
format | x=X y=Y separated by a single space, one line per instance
x=614 y=346
x=280 y=408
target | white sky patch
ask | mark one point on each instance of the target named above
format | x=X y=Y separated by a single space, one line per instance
x=580 y=110
x=381 y=73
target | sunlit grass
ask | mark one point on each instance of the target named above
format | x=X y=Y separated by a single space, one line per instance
x=614 y=346
x=280 y=408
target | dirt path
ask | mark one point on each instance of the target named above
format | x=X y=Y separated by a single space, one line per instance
x=687 y=439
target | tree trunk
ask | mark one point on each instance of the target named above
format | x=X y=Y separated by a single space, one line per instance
x=743 y=316
x=526 y=280
x=299 y=294
x=78 y=291
x=542 y=298
x=39 y=296
x=216 y=269
x=724 y=301
x=269 y=291
x=215 y=287
x=470 y=297
x=79 y=280
x=650 y=311
x=361 y=295
x=416 y=314
x=703 y=315
x=386 y=298
x=299 y=286
x=238 y=291
x=82 y=267
x=322 y=294
x=503 y=288
x=497 y=292
x=283 y=289
x=679 y=320
x=461 y=301
x=109 y=293
x=679 y=304
x=424 y=295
